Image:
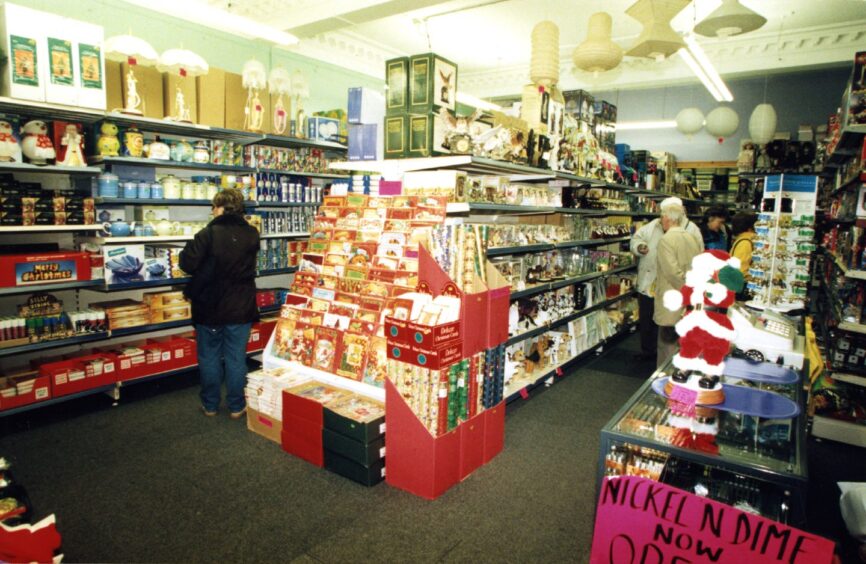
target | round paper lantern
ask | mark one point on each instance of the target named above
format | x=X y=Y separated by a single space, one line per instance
x=544 y=66
x=690 y=121
x=762 y=124
x=598 y=53
x=722 y=122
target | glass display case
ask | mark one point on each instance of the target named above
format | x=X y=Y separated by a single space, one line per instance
x=751 y=463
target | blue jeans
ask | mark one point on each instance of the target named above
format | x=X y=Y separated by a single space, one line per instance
x=222 y=352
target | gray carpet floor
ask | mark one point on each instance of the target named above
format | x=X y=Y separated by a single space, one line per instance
x=154 y=480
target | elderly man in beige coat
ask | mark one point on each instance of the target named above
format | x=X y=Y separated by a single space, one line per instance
x=674 y=257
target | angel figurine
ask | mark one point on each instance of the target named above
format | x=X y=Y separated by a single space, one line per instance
x=73 y=141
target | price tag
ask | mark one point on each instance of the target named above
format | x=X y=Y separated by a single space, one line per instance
x=549 y=381
x=559 y=372
x=108 y=367
x=443 y=393
x=178 y=353
x=166 y=356
x=382 y=428
x=254 y=337
x=524 y=393
x=382 y=452
x=41 y=393
x=461 y=383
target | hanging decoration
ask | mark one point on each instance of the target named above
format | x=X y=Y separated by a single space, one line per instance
x=598 y=53
x=690 y=121
x=254 y=78
x=722 y=122
x=279 y=85
x=544 y=66
x=187 y=65
x=658 y=39
x=301 y=91
x=762 y=124
x=133 y=51
x=731 y=18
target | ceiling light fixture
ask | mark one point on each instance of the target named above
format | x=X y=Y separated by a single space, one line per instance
x=657 y=39
x=471 y=100
x=731 y=18
x=697 y=60
x=208 y=16
x=637 y=125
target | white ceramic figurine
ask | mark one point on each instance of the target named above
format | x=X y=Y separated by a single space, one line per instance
x=37 y=146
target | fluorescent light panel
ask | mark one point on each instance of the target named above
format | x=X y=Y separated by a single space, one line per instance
x=635 y=125
x=707 y=65
x=699 y=72
x=471 y=100
x=208 y=16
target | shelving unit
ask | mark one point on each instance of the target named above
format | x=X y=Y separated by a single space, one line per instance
x=49 y=169
x=157 y=163
x=549 y=286
x=49 y=228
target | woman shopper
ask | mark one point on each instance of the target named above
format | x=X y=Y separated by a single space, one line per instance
x=743 y=226
x=222 y=261
x=714 y=230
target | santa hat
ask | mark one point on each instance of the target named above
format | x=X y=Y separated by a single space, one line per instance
x=714 y=273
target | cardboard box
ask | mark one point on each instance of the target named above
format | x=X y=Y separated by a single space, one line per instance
x=494 y=431
x=471 y=445
x=61 y=84
x=432 y=83
x=323 y=129
x=25 y=46
x=359 y=452
x=414 y=334
x=397 y=79
x=187 y=85
x=120 y=261
x=263 y=425
x=426 y=133
x=365 y=106
x=211 y=98
x=168 y=314
x=356 y=417
x=114 y=80
x=149 y=85
x=235 y=101
x=364 y=475
x=366 y=142
x=45 y=268
x=303 y=438
x=81 y=373
x=434 y=358
x=91 y=63
x=17 y=390
x=396 y=136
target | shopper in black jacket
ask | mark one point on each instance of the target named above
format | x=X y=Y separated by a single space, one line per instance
x=222 y=262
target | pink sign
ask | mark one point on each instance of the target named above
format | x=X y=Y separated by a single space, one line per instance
x=640 y=521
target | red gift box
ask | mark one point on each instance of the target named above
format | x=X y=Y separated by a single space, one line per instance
x=40 y=391
x=44 y=268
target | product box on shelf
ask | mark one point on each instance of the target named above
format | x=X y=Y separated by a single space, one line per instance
x=44 y=268
x=857 y=94
x=80 y=373
x=397 y=79
x=366 y=142
x=123 y=263
x=149 y=86
x=365 y=106
x=323 y=129
x=114 y=80
x=89 y=62
x=426 y=133
x=235 y=101
x=396 y=136
x=26 y=69
x=23 y=387
x=366 y=475
x=211 y=101
x=172 y=85
x=409 y=333
x=580 y=105
x=264 y=425
x=432 y=83
x=60 y=88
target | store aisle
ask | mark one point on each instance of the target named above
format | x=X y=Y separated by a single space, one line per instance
x=154 y=480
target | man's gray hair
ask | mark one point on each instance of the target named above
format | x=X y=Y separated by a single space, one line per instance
x=675 y=213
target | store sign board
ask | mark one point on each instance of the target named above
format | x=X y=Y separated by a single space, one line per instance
x=642 y=521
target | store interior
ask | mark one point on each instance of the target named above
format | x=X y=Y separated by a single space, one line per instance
x=465 y=218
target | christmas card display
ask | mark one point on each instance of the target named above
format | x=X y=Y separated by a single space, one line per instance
x=779 y=274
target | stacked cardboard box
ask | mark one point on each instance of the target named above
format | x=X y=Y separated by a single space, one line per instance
x=124 y=313
x=264 y=395
x=366 y=115
x=353 y=439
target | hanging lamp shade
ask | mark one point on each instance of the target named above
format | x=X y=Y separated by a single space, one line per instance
x=690 y=121
x=598 y=53
x=544 y=66
x=731 y=18
x=130 y=49
x=762 y=124
x=280 y=81
x=658 y=39
x=722 y=122
x=182 y=62
x=254 y=75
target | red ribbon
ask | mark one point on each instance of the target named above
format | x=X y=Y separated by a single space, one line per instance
x=131 y=61
x=182 y=72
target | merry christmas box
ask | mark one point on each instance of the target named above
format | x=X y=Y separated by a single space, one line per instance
x=44 y=268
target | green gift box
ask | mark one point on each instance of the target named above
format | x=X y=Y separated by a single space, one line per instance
x=432 y=83
x=396 y=136
x=397 y=78
x=426 y=132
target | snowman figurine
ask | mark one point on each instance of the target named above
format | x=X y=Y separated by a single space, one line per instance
x=37 y=146
x=10 y=150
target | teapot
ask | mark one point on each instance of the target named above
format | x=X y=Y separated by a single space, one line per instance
x=166 y=228
x=118 y=228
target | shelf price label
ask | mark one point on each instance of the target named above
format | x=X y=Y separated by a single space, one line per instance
x=524 y=393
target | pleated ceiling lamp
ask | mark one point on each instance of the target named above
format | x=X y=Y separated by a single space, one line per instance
x=544 y=66
x=658 y=39
x=598 y=53
x=731 y=18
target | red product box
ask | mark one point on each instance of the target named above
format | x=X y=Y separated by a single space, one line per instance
x=434 y=359
x=494 y=431
x=131 y=366
x=177 y=352
x=38 y=388
x=79 y=374
x=471 y=445
x=417 y=461
x=413 y=334
x=302 y=408
x=259 y=335
x=44 y=268
x=265 y=298
x=303 y=438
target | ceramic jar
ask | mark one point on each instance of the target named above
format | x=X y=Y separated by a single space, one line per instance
x=130 y=189
x=144 y=190
x=108 y=185
x=201 y=153
x=171 y=187
x=156 y=191
x=133 y=142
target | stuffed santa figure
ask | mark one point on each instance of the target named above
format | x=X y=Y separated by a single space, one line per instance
x=705 y=330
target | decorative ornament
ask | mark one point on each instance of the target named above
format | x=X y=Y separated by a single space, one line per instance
x=280 y=84
x=722 y=122
x=301 y=91
x=185 y=64
x=254 y=78
x=72 y=146
x=690 y=121
x=37 y=145
x=658 y=39
x=544 y=66
x=731 y=18
x=108 y=145
x=133 y=51
x=762 y=124
x=598 y=53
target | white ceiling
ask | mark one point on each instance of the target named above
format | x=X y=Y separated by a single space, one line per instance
x=490 y=39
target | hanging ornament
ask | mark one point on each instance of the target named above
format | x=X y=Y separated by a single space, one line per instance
x=544 y=66
x=280 y=84
x=598 y=53
x=690 y=121
x=301 y=91
x=722 y=122
x=254 y=77
x=762 y=124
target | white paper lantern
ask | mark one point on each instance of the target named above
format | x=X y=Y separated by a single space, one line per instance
x=544 y=66
x=722 y=122
x=598 y=53
x=762 y=124
x=690 y=121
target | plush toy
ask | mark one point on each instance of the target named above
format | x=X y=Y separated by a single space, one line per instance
x=705 y=330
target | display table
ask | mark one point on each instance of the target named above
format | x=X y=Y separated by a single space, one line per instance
x=751 y=463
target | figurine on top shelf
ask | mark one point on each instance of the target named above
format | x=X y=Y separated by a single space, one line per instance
x=71 y=143
x=10 y=149
x=458 y=137
x=37 y=146
x=108 y=145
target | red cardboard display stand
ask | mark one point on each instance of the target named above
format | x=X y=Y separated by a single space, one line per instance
x=494 y=431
